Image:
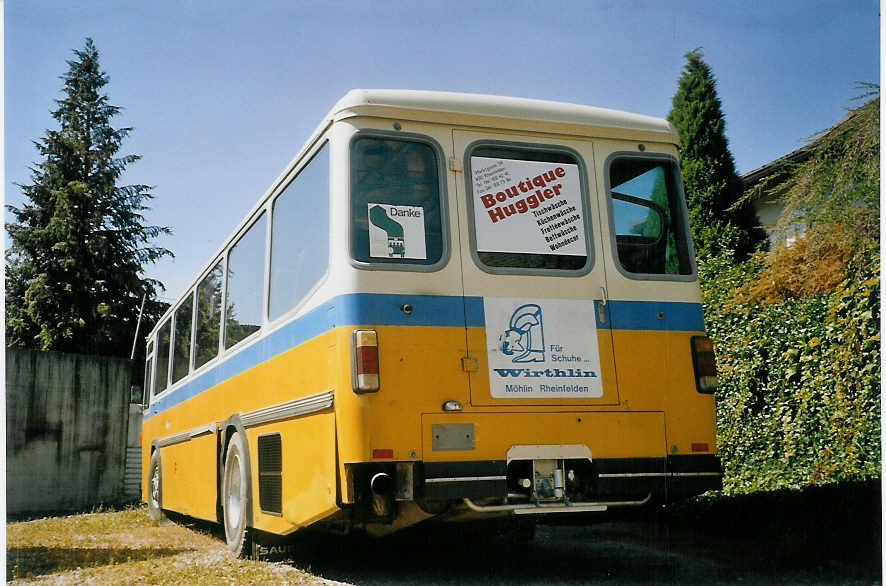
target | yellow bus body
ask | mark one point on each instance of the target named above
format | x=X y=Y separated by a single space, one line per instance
x=648 y=431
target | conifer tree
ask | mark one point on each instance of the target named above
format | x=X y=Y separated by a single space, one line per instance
x=75 y=278
x=718 y=222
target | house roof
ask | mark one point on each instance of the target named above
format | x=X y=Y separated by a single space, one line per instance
x=800 y=155
x=754 y=176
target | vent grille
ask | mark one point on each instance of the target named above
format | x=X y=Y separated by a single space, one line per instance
x=270 y=474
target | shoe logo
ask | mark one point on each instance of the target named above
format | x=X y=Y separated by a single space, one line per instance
x=524 y=339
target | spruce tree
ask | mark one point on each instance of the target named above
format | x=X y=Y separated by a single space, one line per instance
x=719 y=224
x=75 y=277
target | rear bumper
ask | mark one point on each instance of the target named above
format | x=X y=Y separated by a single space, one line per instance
x=415 y=491
x=693 y=475
x=665 y=480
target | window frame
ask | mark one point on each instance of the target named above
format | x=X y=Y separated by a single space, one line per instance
x=219 y=350
x=442 y=176
x=259 y=213
x=584 y=194
x=169 y=320
x=683 y=211
x=192 y=295
x=271 y=205
x=148 y=391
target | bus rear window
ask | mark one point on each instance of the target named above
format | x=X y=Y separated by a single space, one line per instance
x=396 y=202
x=528 y=209
x=648 y=219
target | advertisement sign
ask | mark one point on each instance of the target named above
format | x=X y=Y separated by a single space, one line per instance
x=527 y=206
x=396 y=231
x=542 y=348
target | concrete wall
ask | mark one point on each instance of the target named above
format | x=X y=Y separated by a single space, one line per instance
x=66 y=430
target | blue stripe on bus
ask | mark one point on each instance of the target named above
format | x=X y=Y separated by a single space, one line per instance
x=655 y=315
x=353 y=309
x=427 y=310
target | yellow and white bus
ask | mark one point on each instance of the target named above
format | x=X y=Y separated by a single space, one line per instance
x=447 y=306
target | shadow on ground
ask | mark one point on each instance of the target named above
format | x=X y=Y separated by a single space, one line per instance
x=820 y=524
x=819 y=535
x=24 y=562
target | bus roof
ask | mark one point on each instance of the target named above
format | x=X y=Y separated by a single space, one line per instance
x=518 y=113
x=462 y=109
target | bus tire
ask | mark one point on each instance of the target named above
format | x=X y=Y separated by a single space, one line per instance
x=236 y=500
x=155 y=495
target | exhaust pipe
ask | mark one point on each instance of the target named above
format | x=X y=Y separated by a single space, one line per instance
x=381 y=485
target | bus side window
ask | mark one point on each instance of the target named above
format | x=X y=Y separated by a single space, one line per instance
x=396 y=202
x=209 y=300
x=300 y=235
x=149 y=368
x=650 y=231
x=161 y=377
x=181 y=349
x=246 y=277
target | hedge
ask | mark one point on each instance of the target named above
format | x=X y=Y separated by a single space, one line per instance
x=799 y=396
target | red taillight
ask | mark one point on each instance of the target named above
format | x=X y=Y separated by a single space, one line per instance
x=705 y=364
x=382 y=453
x=367 y=360
x=700 y=447
x=365 y=379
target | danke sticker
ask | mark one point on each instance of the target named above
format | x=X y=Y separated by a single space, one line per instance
x=396 y=231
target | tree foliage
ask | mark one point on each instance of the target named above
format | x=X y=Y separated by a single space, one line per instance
x=711 y=184
x=834 y=193
x=74 y=279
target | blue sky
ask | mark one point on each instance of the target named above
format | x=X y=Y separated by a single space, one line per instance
x=222 y=94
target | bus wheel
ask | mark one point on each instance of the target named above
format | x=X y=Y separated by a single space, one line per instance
x=155 y=497
x=235 y=496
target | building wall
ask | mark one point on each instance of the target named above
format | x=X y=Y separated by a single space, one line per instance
x=66 y=430
x=768 y=213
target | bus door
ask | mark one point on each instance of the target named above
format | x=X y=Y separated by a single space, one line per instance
x=402 y=219
x=654 y=297
x=533 y=274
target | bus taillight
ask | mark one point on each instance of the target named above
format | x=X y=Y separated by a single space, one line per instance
x=365 y=363
x=705 y=364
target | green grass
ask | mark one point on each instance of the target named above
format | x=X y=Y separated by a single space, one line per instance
x=126 y=547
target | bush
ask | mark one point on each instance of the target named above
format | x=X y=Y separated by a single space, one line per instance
x=800 y=376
